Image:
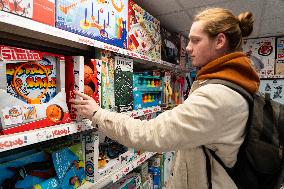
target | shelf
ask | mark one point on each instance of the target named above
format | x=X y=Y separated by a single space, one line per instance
x=17 y=140
x=115 y=175
x=271 y=77
x=26 y=33
x=144 y=111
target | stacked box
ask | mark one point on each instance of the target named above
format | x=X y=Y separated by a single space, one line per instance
x=104 y=21
x=144 y=32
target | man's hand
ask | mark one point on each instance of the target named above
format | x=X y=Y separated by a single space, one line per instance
x=85 y=105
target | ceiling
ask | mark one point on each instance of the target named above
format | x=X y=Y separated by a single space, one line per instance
x=176 y=15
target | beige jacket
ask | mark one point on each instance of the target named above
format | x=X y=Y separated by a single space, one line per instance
x=213 y=115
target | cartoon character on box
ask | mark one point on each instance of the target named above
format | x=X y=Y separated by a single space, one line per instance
x=105 y=21
x=143 y=32
x=28 y=91
x=69 y=166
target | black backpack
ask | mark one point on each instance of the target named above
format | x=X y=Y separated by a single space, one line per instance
x=260 y=158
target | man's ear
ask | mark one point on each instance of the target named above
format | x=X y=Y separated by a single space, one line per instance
x=221 y=41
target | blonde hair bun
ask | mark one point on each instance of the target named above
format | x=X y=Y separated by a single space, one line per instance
x=246 y=21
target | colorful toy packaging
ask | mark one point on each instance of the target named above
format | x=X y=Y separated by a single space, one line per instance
x=144 y=32
x=69 y=166
x=123 y=84
x=38 y=10
x=92 y=78
x=104 y=21
x=74 y=73
x=30 y=97
x=147 y=90
x=107 y=89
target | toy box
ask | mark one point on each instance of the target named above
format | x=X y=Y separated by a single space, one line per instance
x=69 y=166
x=74 y=80
x=147 y=91
x=104 y=21
x=91 y=145
x=170 y=46
x=31 y=97
x=123 y=84
x=38 y=10
x=143 y=32
x=92 y=78
x=107 y=89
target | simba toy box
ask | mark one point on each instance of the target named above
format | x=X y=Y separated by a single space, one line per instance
x=31 y=94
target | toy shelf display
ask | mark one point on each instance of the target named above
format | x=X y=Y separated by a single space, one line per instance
x=117 y=25
x=36 y=87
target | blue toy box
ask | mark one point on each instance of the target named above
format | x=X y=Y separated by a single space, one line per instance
x=102 y=20
x=147 y=91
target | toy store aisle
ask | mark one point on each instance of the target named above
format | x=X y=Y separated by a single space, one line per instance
x=130 y=57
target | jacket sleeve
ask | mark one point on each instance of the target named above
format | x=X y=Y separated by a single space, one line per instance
x=204 y=117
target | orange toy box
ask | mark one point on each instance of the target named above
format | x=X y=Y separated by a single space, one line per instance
x=38 y=10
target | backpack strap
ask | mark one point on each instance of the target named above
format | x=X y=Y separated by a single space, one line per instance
x=233 y=86
x=249 y=98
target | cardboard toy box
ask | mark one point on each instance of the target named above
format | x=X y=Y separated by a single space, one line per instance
x=123 y=84
x=30 y=96
x=38 y=10
x=143 y=32
x=107 y=85
x=104 y=21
